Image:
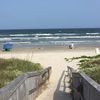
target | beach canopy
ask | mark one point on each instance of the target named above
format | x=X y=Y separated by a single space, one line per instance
x=7 y=46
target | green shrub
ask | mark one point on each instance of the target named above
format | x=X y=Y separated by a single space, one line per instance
x=90 y=65
x=12 y=68
x=94 y=73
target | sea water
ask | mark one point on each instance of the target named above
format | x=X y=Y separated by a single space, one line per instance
x=51 y=37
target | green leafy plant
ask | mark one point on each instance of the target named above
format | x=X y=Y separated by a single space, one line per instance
x=90 y=65
x=12 y=68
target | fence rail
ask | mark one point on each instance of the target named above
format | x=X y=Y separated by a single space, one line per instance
x=26 y=86
x=83 y=87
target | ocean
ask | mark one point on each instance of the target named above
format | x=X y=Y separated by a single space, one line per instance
x=51 y=37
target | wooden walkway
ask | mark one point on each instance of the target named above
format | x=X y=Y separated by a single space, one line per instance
x=57 y=88
x=58 y=91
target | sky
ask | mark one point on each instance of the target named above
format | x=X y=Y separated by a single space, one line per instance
x=33 y=14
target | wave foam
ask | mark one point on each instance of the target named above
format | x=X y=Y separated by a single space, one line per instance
x=19 y=35
x=43 y=34
x=92 y=33
x=5 y=39
x=49 y=37
x=20 y=42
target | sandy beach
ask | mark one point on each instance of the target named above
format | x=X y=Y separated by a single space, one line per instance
x=53 y=57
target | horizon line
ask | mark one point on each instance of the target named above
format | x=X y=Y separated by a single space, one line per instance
x=49 y=28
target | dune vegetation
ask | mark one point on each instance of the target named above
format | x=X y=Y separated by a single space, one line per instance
x=12 y=68
x=90 y=65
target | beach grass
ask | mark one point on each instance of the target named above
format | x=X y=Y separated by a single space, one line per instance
x=90 y=65
x=12 y=68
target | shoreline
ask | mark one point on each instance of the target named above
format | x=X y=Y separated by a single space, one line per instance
x=50 y=48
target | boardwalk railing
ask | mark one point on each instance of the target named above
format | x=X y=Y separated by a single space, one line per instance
x=83 y=87
x=26 y=86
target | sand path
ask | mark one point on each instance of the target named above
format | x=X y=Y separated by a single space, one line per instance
x=59 y=65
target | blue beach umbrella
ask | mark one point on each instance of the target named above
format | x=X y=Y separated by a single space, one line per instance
x=7 y=46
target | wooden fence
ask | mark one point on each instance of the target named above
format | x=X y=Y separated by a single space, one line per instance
x=26 y=86
x=83 y=87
